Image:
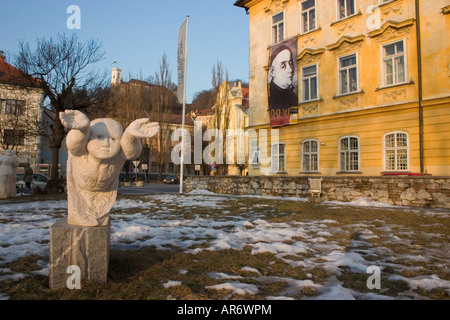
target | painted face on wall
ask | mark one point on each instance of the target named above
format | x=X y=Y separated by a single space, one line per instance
x=104 y=140
x=282 y=69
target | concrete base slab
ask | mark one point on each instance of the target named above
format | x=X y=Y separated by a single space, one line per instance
x=84 y=247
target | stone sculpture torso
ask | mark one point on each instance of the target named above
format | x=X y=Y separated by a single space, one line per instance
x=97 y=153
x=8 y=172
x=92 y=189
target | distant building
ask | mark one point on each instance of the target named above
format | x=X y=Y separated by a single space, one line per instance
x=21 y=102
x=372 y=88
x=139 y=93
x=231 y=106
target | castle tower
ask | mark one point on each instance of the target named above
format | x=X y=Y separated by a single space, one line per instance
x=116 y=76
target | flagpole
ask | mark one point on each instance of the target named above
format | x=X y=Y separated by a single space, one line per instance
x=184 y=108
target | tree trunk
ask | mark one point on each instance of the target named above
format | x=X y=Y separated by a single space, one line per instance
x=160 y=174
x=58 y=137
x=55 y=185
x=55 y=161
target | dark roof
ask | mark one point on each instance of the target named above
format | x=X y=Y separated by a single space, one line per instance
x=14 y=76
x=141 y=82
x=204 y=112
x=178 y=118
x=242 y=3
x=245 y=98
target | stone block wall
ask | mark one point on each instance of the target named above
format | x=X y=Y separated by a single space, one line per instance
x=416 y=191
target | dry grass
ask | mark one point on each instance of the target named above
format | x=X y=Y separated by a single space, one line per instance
x=141 y=274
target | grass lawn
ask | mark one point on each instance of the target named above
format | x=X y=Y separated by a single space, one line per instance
x=194 y=247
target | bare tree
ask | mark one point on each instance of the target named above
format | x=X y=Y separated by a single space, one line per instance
x=128 y=102
x=203 y=100
x=222 y=109
x=62 y=66
x=163 y=101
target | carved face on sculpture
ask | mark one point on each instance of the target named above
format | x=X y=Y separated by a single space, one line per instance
x=104 y=140
x=9 y=153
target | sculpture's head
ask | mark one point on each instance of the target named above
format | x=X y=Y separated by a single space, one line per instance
x=9 y=153
x=104 y=139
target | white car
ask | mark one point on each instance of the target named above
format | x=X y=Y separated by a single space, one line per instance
x=39 y=180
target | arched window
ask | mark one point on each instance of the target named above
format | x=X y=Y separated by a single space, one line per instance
x=310 y=155
x=396 y=151
x=349 y=154
x=278 y=156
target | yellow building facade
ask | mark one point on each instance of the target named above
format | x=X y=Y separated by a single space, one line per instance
x=372 y=82
x=229 y=116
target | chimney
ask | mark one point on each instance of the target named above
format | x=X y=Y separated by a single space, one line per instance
x=2 y=56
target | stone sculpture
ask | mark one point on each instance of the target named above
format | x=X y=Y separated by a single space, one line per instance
x=97 y=153
x=8 y=173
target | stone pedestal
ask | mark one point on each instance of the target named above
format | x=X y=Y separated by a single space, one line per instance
x=84 y=247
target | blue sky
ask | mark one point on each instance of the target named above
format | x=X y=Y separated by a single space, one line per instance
x=139 y=32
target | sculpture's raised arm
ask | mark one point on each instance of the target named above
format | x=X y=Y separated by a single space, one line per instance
x=79 y=126
x=137 y=130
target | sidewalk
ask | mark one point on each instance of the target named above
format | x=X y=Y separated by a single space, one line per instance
x=150 y=188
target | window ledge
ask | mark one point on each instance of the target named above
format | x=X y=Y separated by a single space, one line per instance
x=348 y=94
x=310 y=172
x=386 y=3
x=346 y=18
x=396 y=172
x=279 y=172
x=403 y=173
x=349 y=172
x=395 y=85
x=310 y=31
x=310 y=101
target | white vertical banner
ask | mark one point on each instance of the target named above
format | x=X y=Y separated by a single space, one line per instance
x=182 y=54
x=181 y=89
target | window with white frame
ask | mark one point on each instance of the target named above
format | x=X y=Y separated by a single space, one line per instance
x=349 y=154
x=278 y=27
x=396 y=151
x=348 y=74
x=346 y=8
x=278 y=156
x=310 y=156
x=394 y=63
x=254 y=154
x=309 y=83
x=308 y=16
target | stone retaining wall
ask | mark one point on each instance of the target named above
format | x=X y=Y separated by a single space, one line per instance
x=418 y=191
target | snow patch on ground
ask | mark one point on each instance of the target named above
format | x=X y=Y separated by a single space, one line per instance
x=158 y=221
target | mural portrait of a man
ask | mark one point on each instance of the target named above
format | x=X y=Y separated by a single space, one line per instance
x=282 y=82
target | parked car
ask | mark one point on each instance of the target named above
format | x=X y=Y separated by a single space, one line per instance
x=39 y=180
x=171 y=179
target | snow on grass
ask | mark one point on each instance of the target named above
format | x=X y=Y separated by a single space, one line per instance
x=172 y=283
x=170 y=221
x=236 y=288
x=221 y=275
x=426 y=282
x=362 y=202
x=250 y=269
